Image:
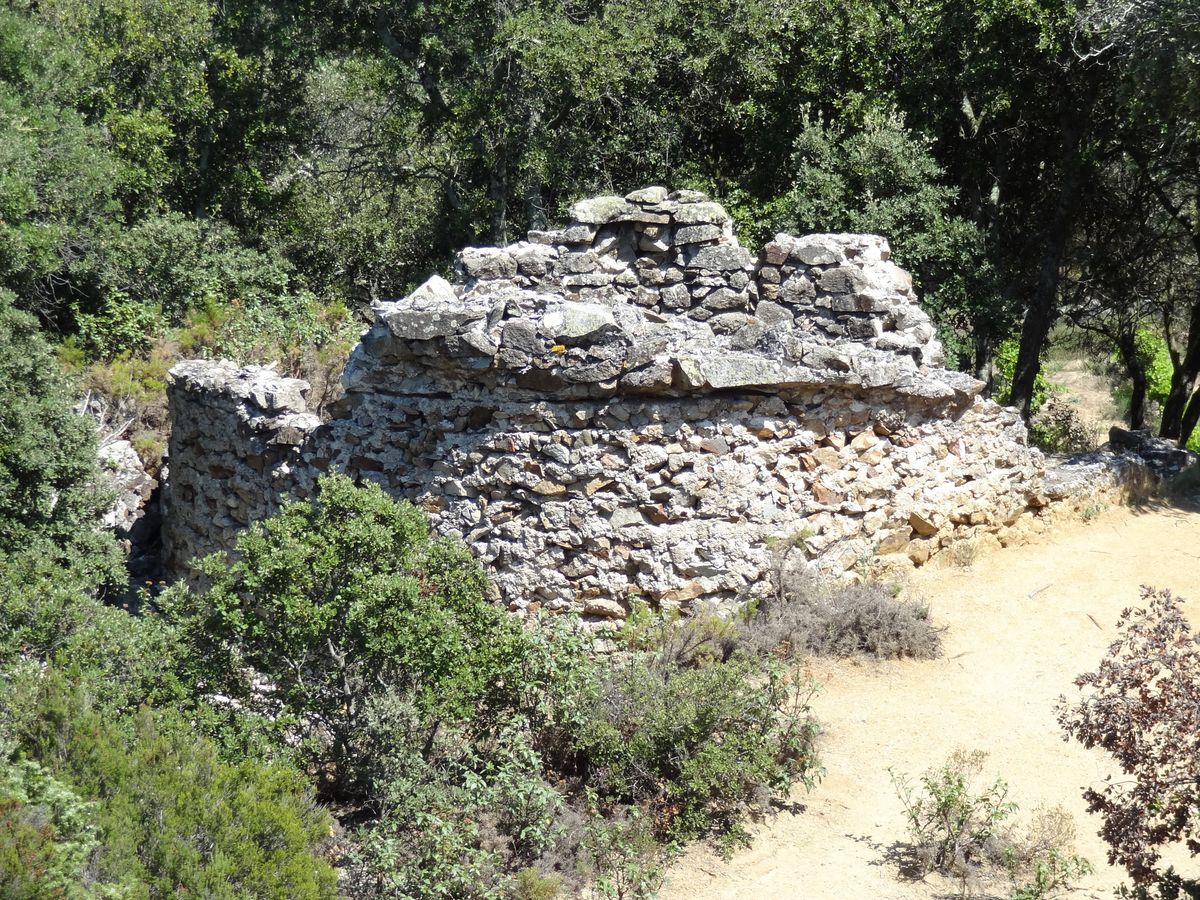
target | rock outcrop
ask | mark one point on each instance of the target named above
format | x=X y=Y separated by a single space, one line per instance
x=632 y=406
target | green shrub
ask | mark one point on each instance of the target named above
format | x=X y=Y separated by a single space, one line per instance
x=621 y=858
x=171 y=264
x=48 y=614
x=1040 y=861
x=340 y=599
x=677 y=641
x=702 y=746
x=430 y=848
x=953 y=824
x=169 y=815
x=120 y=325
x=1156 y=357
x=965 y=830
x=48 y=837
x=471 y=745
x=140 y=378
x=1004 y=367
x=132 y=391
x=48 y=470
x=533 y=885
x=458 y=813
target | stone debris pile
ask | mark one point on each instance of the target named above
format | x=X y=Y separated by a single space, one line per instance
x=1161 y=456
x=631 y=406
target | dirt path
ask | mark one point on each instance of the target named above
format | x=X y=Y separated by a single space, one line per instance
x=1023 y=623
x=1090 y=393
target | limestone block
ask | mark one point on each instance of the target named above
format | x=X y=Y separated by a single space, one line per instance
x=600 y=210
x=647 y=195
x=719 y=258
x=700 y=213
x=696 y=234
x=487 y=263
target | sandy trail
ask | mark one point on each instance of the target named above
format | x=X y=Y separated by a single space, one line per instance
x=1023 y=623
x=1090 y=393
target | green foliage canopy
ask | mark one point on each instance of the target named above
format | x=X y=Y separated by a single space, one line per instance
x=168 y=815
x=345 y=596
x=49 y=497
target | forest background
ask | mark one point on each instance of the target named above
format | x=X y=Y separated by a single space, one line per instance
x=243 y=178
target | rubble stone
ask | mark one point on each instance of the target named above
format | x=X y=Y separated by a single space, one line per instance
x=598 y=425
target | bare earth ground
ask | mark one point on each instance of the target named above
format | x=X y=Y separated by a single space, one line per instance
x=1022 y=623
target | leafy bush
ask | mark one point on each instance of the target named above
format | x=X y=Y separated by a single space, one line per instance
x=48 y=840
x=1156 y=357
x=702 y=746
x=882 y=178
x=170 y=816
x=1142 y=706
x=1039 y=861
x=458 y=812
x=48 y=614
x=955 y=826
x=48 y=475
x=57 y=193
x=429 y=851
x=1004 y=367
x=340 y=599
x=621 y=860
x=464 y=813
x=472 y=749
x=151 y=276
x=965 y=831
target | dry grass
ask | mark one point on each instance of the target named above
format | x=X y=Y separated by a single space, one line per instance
x=807 y=615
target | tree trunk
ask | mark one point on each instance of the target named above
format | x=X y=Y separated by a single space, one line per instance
x=1039 y=316
x=535 y=204
x=1137 y=401
x=1034 y=330
x=1190 y=417
x=983 y=357
x=1126 y=343
x=1185 y=368
x=498 y=189
x=1177 y=397
x=202 y=163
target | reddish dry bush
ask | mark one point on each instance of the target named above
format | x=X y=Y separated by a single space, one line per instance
x=1143 y=706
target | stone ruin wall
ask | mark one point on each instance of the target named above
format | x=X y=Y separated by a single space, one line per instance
x=632 y=406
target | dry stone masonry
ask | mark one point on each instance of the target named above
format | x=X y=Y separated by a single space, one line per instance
x=632 y=406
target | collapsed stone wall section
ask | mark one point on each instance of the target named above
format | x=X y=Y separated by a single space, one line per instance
x=234 y=454
x=631 y=406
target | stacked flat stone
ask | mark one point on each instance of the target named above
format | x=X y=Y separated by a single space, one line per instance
x=675 y=254
x=236 y=434
x=632 y=406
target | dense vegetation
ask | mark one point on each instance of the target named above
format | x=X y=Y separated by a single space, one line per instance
x=341 y=710
x=243 y=177
x=346 y=663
